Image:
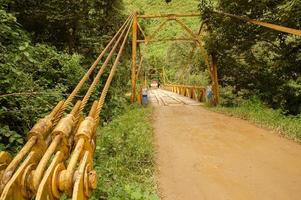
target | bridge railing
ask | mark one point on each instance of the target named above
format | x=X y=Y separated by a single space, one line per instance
x=194 y=92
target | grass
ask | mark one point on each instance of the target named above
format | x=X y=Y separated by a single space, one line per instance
x=172 y=29
x=162 y=54
x=257 y=112
x=124 y=153
x=124 y=157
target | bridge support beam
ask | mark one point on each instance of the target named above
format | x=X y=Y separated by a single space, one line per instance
x=134 y=57
x=215 y=86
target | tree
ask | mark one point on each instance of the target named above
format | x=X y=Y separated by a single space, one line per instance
x=78 y=26
x=255 y=59
x=28 y=68
x=35 y=75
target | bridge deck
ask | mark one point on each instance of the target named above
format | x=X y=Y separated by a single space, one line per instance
x=205 y=155
x=166 y=98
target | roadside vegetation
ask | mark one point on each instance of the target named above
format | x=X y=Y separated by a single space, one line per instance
x=44 y=51
x=124 y=157
x=259 y=113
x=259 y=69
x=254 y=60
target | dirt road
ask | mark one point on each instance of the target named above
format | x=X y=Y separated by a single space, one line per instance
x=202 y=155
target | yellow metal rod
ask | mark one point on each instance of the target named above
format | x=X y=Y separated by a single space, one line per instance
x=104 y=65
x=75 y=156
x=85 y=77
x=38 y=173
x=84 y=137
x=79 y=190
x=202 y=49
x=61 y=131
x=186 y=86
x=15 y=162
x=45 y=188
x=38 y=132
x=156 y=31
x=169 y=15
x=41 y=167
x=134 y=57
x=264 y=24
x=111 y=75
x=66 y=176
x=141 y=30
x=12 y=190
x=167 y=40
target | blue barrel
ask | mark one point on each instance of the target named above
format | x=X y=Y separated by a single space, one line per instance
x=144 y=100
x=144 y=96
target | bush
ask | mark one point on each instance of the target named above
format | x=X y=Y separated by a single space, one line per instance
x=257 y=112
x=124 y=158
x=39 y=72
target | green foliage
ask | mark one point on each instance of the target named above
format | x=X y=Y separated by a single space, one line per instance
x=253 y=58
x=43 y=75
x=28 y=68
x=40 y=76
x=229 y=97
x=257 y=112
x=117 y=100
x=13 y=138
x=124 y=157
x=81 y=27
x=189 y=67
x=162 y=54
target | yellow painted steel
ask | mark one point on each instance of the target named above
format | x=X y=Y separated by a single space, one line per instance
x=210 y=60
x=195 y=38
x=58 y=156
x=195 y=92
x=170 y=15
x=112 y=73
x=36 y=143
x=5 y=159
x=39 y=139
x=152 y=35
x=264 y=24
x=134 y=57
x=38 y=171
x=252 y=21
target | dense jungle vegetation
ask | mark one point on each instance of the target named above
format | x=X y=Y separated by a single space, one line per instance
x=44 y=50
x=46 y=46
x=255 y=60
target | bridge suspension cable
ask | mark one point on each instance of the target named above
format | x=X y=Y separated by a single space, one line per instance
x=264 y=24
x=38 y=169
x=58 y=156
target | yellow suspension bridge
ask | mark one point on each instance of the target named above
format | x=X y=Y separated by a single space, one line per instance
x=58 y=156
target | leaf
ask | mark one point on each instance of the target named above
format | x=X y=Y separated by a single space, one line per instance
x=20 y=140
x=21 y=48
x=26 y=54
x=136 y=195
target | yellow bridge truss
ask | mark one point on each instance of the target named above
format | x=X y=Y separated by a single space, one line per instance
x=58 y=156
